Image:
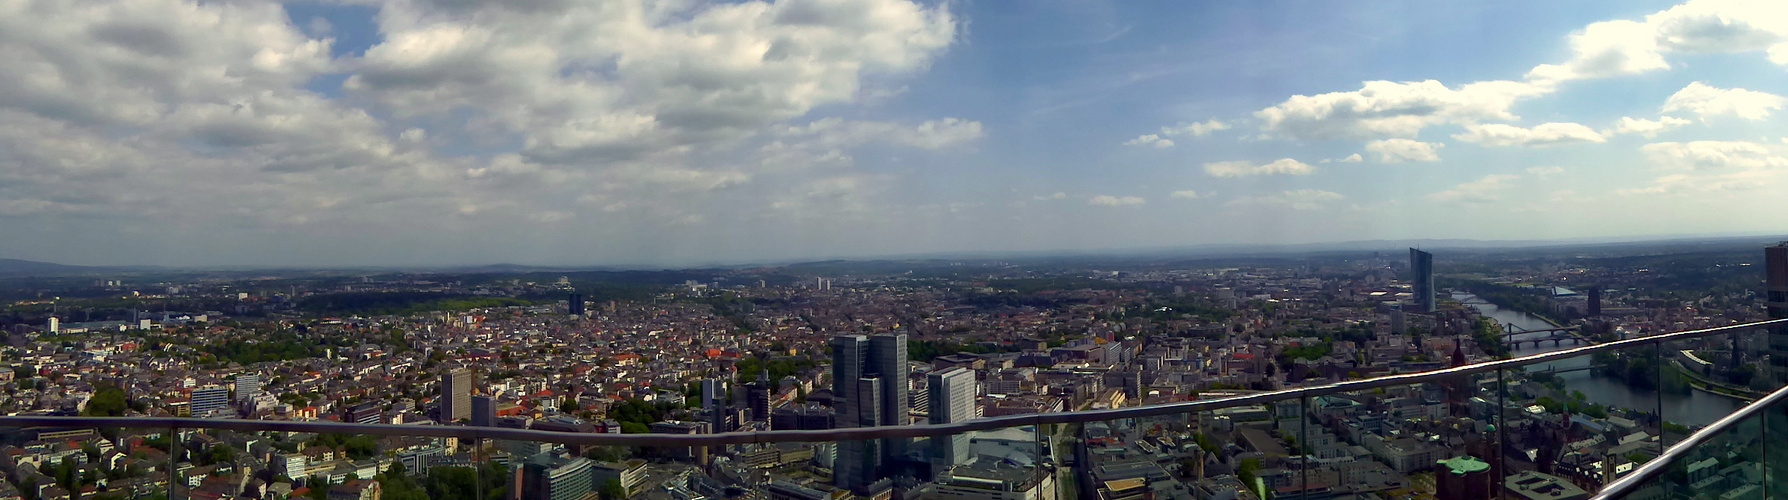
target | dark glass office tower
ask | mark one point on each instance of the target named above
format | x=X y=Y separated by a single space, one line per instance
x=1421 y=264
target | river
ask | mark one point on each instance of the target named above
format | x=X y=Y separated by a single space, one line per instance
x=1694 y=408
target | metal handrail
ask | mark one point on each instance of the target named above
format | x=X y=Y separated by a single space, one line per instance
x=1637 y=479
x=851 y=434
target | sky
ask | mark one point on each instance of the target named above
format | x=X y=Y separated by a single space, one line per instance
x=681 y=132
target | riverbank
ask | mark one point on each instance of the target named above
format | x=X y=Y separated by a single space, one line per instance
x=1697 y=382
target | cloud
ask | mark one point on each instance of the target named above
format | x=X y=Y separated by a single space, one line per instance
x=594 y=82
x=1352 y=158
x=1297 y=199
x=1403 y=150
x=1545 y=134
x=1199 y=129
x=1545 y=171
x=1393 y=109
x=1484 y=190
x=932 y=134
x=1645 y=128
x=1160 y=140
x=1713 y=155
x=1709 y=101
x=1150 y=140
x=1057 y=196
x=1185 y=194
x=1627 y=47
x=1285 y=166
x=1116 y=201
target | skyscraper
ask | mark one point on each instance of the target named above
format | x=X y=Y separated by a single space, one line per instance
x=456 y=395
x=869 y=388
x=1595 y=300
x=1422 y=265
x=714 y=404
x=952 y=394
x=248 y=385
x=1775 y=279
x=484 y=411
x=759 y=393
x=575 y=304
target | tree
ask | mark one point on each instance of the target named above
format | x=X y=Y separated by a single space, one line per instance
x=612 y=490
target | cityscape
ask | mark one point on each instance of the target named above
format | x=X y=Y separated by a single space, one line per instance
x=893 y=250
x=840 y=345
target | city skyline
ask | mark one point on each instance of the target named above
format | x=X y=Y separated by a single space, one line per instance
x=258 y=133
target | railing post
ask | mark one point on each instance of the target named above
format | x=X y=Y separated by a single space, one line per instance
x=1502 y=433
x=173 y=460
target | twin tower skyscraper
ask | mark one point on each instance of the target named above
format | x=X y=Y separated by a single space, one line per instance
x=870 y=388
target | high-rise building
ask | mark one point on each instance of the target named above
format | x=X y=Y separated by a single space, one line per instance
x=952 y=394
x=208 y=399
x=1775 y=280
x=714 y=403
x=1422 y=265
x=548 y=477
x=484 y=411
x=869 y=388
x=759 y=393
x=575 y=304
x=1595 y=300
x=456 y=395
x=248 y=385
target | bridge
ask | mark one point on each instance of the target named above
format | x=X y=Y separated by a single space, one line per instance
x=1558 y=337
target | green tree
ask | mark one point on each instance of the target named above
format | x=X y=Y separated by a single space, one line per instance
x=612 y=490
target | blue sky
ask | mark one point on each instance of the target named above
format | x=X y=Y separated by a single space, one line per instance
x=675 y=133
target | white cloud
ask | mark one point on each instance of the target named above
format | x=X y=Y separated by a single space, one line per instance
x=1150 y=140
x=1160 y=140
x=1186 y=194
x=1545 y=134
x=1545 y=171
x=1709 y=101
x=1285 y=166
x=1607 y=48
x=1297 y=199
x=1352 y=158
x=1402 y=150
x=1057 y=196
x=933 y=134
x=1645 y=128
x=1115 y=201
x=1199 y=129
x=594 y=82
x=1713 y=155
x=1626 y=47
x=1485 y=190
x=1393 y=109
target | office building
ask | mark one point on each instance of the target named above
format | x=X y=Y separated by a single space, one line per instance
x=714 y=403
x=549 y=477
x=208 y=399
x=1595 y=300
x=484 y=411
x=575 y=304
x=456 y=395
x=1421 y=264
x=869 y=388
x=952 y=394
x=1775 y=280
x=801 y=417
x=364 y=413
x=247 y=386
x=759 y=396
